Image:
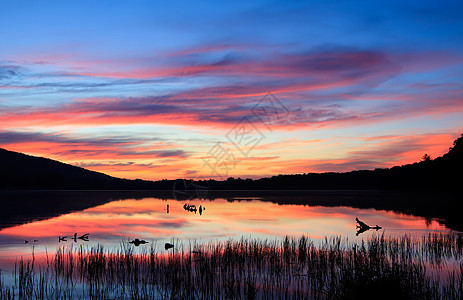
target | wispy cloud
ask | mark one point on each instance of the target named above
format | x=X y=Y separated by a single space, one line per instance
x=384 y=74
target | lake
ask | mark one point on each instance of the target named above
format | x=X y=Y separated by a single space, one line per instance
x=231 y=217
x=160 y=219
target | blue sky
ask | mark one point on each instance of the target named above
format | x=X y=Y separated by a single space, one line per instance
x=145 y=89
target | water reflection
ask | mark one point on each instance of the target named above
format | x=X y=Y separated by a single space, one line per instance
x=224 y=219
x=146 y=219
x=169 y=225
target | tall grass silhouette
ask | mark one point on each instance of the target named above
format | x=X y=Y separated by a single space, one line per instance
x=427 y=267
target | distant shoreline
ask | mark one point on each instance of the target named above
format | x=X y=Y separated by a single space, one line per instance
x=25 y=172
x=29 y=205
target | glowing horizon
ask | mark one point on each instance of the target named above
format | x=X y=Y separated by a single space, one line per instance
x=148 y=90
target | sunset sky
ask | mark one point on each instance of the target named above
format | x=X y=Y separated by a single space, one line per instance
x=172 y=89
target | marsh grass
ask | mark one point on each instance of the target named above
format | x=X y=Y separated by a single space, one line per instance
x=429 y=267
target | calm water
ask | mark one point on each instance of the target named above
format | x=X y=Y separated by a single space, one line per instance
x=121 y=221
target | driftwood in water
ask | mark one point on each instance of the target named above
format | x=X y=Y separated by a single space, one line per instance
x=362 y=227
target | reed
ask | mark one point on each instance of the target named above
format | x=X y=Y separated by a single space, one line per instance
x=406 y=267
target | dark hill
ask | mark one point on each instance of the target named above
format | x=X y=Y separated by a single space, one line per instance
x=20 y=171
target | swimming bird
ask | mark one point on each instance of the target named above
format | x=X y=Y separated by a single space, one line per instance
x=167 y=246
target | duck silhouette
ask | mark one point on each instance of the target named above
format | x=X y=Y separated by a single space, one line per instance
x=138 y=242
x=168 y=246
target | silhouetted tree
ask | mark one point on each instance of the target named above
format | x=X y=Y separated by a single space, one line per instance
x=21 y=171
x=458 y=143
x=426 y=157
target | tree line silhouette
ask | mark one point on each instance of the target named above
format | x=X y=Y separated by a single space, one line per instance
x=20 y=171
